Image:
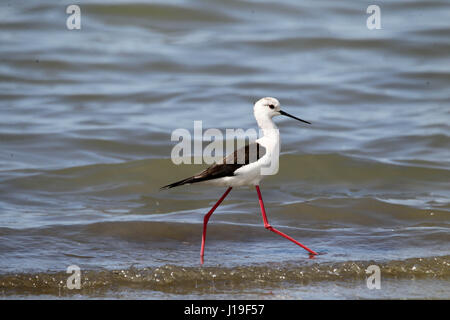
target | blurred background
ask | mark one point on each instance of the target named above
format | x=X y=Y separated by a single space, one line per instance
x=86 y=118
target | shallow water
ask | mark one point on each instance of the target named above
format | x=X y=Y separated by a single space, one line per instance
x=86 y=119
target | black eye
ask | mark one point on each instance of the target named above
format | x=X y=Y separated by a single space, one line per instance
x=271 y=106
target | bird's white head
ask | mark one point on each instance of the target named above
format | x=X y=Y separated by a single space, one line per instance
x=266 y=108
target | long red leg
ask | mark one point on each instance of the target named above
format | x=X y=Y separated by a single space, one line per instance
x=205 y=222
x=269 y=227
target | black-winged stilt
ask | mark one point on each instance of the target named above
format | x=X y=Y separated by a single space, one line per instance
x=256 y=157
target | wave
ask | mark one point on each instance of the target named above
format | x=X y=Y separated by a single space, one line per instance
x=180 y=279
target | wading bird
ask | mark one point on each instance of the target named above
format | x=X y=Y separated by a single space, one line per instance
x=247 y=166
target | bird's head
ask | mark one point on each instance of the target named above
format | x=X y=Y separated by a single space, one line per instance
x=270 y=107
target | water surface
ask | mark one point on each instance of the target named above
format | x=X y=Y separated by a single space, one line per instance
x=86 y=118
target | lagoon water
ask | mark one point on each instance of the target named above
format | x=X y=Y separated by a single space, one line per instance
x=86 y=118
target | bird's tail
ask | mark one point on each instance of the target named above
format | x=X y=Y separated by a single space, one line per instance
x=178 y=183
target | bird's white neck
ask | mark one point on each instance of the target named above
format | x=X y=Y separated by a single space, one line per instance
x=271 y=135
x=271 y=142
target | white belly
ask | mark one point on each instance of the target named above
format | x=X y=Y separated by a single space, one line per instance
x=235 y=181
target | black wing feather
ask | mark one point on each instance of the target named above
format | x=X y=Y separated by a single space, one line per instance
x=228 y=166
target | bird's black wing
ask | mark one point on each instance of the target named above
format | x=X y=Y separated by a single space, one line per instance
x=229 y=164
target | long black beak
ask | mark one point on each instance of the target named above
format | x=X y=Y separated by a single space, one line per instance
x=291 y=116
